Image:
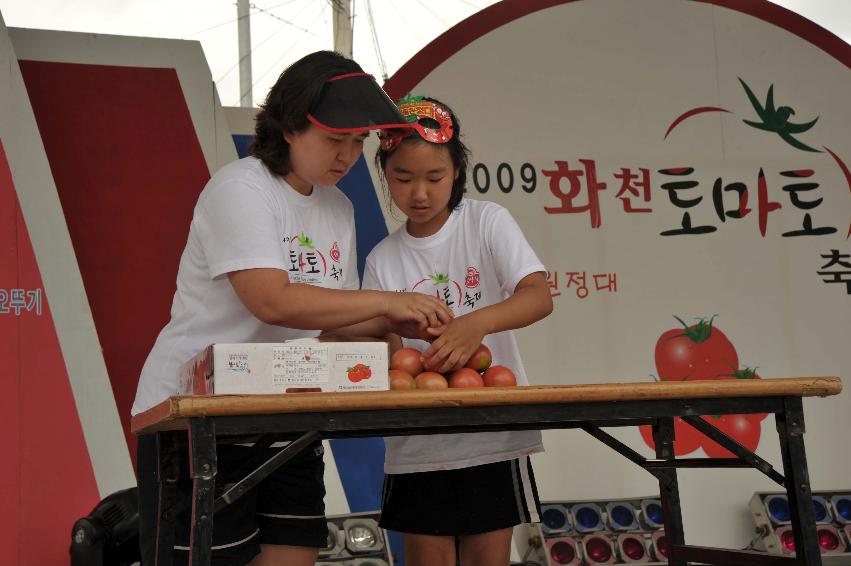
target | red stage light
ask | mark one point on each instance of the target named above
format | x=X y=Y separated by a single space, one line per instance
x=659 y=546
x=598 y=549
x=632 y=547
x=564 y=551
x=829 y=539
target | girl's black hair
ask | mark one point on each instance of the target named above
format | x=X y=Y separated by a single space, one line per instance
x=458 y=152
x=296 y=93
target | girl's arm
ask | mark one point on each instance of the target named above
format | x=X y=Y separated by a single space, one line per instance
x=269 y=296
x=530 y=303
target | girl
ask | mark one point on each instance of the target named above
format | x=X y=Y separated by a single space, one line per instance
x=250 y=273
x=474 y=257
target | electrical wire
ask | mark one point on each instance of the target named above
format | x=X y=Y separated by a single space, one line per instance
x=284 y=54
x=375 y=44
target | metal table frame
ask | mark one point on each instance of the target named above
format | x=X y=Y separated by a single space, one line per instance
x=202 y=432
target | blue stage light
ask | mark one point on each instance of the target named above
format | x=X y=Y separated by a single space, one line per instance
x=651 y=512
x=821 y=510
x=841 y=508
x=778 y=509
x=621 y=516
x=554 y=519
x=587 y=517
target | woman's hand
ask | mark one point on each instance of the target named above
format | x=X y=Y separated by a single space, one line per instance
x=451 y=350
x=424 y=310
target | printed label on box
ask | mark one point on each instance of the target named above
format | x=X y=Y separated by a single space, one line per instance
x=300 y=365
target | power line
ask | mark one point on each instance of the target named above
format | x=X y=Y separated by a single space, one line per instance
x=256 y=47
x=374 y=34
x=284 y=54
x=433 y=13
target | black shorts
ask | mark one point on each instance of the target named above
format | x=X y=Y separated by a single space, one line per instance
x=461 y=502
x=287 y=507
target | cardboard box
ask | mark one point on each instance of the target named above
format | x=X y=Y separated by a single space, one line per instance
x=326 y=364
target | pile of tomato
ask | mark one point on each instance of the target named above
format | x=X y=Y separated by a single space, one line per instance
x=407 y=372
x=701 y=352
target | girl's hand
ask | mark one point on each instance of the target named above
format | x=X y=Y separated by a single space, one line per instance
x=425 y=311
x=451 y=350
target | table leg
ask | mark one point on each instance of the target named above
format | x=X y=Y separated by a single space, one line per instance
x=167 y=474
x=202 y=458
x=790 y=427
x=669 y=491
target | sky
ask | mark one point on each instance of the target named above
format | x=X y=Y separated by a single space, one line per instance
x=282 y=31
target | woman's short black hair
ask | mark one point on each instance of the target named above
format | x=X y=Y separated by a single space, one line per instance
x=458 y=152
x=296 y=93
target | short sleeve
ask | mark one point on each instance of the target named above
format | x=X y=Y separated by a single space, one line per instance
x=239 y=227
x=512 y=256
x=370 y=276
x=351 y=279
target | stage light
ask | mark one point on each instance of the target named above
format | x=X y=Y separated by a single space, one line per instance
x=821 y=510
x=355 y=539
x=362 y=535
x=554 y=519
x=621 y=516
x=335 y=542
x=659 y=546
x=564 y=551
x=651 y=513
x=830 y=541
x=632 y=548
x=598 y=549
x=587 y=517
x=841 y=505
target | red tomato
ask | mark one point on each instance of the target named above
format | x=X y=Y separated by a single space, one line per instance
x=499 y=376
x=431 y=380
x=741 y=428
x=466 y=377
x=401 y=380
x=699 y=351
x=480 y=360
x=687 y=439
x=408 y=360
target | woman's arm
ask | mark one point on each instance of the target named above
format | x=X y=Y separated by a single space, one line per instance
x=269 y=296
x=530 y=303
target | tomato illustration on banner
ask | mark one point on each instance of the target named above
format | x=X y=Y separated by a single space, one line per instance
x=703 y=352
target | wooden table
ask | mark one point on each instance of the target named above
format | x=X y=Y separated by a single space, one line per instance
x=202 y=421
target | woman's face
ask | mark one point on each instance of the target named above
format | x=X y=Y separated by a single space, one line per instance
x=319 y=157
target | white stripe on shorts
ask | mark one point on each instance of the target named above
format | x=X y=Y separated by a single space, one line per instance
x=527 y=490
x=229 y=545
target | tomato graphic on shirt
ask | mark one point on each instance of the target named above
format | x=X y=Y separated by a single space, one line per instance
x=703 y=352
x=307 y=263
x=441 y=286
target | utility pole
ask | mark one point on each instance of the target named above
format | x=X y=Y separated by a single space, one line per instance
x=244 y=38
x=343 y=27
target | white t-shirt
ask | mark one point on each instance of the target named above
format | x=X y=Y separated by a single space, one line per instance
x=476 y=259
x=247 y=217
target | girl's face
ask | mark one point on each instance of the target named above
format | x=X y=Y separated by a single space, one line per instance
x=420 y=177
x=319 y=157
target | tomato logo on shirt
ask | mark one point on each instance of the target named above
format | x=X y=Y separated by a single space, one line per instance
x=335 y=253
x=471 y=281
x=441 y=286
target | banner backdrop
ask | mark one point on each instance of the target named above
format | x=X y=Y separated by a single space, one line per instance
x=666 y=158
